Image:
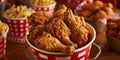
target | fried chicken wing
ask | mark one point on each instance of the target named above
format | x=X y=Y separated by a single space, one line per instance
x=40 y=17
x=59 y=29
x=79 y=34
x=49 y=43
x=107 y=10
x=93 y=6
x=96 y=10
x=61 y=11
x=112 y=25
x=99 y=15
x=85 y=13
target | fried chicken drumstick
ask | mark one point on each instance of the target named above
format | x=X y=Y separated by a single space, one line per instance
x=76 y=24
x=49 y=43
x=60 y=30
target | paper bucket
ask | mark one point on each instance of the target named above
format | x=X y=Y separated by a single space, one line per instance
x=79 y=54
x=3 y=43
x=18 y=29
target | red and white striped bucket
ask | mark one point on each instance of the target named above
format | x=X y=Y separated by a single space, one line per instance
x=3 y=43
x=79 y=54
x=18 y=29
x=45 y=8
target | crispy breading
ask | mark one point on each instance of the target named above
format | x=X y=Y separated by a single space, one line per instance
x=79 y=34
x=49 y=43
x=60 y=30
x=40 y=17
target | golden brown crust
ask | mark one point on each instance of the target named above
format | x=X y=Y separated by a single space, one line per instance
x=49 y=43
x=113 y=28
x=96 y=10
x=40 y=17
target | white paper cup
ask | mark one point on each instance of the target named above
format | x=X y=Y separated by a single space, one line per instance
x=3 y=43
x=79 y=54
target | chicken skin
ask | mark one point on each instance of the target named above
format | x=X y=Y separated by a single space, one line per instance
x=61 y=11
x=79 y=34
x=60 y=30
x=40 y=17
x=34 y=32
x=49 y=43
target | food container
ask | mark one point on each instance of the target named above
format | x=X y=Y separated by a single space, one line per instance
x=18 y=29
x=114 y=44
x=49 y=8
x=99 y=25
x=3 y=43
x=79 y=54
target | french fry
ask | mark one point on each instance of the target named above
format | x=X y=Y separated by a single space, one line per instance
x=3 y=28
x=18 y=12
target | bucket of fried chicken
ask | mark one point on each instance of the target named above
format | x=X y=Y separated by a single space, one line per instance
x=44 y=5
x=64 y=37
x=113 y=34
x=16 y=17
x=3 y=35
x=96 y=13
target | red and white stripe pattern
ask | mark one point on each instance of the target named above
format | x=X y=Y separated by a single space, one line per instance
x=2 y=46
x=12 y=38
x=45 y=8
x=78 y=55
x=18 y=28
x=3 y=1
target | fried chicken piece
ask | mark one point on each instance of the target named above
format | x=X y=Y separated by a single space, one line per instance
x=60 y=11
x=34 y=32
x=112 y=32
x=96 y=10
x=79 y=34
x=49 y=43
x=60 y=30
x=99 y=15
x=118 y=23
x=85 y=13
x=118 y=36
x=112 y=25
x=107 y=10
x=93 y=6
x=40 y=17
